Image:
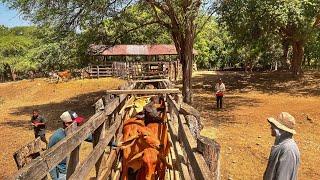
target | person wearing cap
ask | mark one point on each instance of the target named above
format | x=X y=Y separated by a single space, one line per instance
x=220 y=89
x=284 y=159
x=68 y=117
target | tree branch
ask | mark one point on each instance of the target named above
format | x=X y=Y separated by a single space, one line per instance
x=133 y=29
x=204 y=23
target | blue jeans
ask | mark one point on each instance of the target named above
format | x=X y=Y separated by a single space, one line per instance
x=57 y=175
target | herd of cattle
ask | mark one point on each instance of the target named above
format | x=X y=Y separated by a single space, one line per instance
x=145 y=142
x=67 y=75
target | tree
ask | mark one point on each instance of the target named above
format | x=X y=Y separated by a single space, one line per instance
x=178 y=16
x=15 y=44
x=289 y=23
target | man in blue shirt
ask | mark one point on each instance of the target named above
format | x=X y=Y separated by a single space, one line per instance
x=59 y=172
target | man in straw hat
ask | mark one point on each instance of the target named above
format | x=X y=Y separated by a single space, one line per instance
x=284 y=158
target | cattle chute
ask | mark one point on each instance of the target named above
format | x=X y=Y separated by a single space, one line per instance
x=107 y=126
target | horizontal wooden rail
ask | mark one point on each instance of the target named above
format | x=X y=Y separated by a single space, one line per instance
x=40 y=166
x=145 y=91
x=85 y=167
x=197 y=162
x=53 y=156
x=150 y=80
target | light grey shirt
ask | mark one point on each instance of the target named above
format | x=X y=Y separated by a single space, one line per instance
x=284 y=161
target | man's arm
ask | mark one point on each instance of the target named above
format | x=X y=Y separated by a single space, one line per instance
x=286 y=166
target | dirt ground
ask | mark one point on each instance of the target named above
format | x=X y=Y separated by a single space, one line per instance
x=18 y=99
x=241 y=126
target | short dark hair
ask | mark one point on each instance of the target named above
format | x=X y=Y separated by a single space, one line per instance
x=36 y=110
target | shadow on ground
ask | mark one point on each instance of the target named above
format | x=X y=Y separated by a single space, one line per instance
x=205 y=102
x=81 y=104
x=270 y=82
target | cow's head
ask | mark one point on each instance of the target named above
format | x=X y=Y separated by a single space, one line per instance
x=149 y=139
x=144 y=137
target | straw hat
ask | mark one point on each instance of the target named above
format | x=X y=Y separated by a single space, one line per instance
x=284 y=122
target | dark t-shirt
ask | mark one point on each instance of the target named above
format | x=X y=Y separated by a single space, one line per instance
x=41 y=129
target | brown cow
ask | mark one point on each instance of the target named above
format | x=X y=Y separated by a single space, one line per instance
x=64 y=75
x=161 y=131
x=136 y=138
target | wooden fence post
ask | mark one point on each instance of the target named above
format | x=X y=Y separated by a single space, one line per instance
x=211 y=154
x=99 y=134
x=74 y=155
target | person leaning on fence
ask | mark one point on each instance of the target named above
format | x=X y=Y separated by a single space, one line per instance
x=284 y=159
x=220 y=89
x=68 y=117
x=39 y=126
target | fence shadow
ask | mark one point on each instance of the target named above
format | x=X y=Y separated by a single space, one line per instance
x=81 y=104
x=265 y=82
x=205 y=102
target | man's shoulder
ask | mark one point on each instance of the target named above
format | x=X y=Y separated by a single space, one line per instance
x=289 y=146
x=59 y=133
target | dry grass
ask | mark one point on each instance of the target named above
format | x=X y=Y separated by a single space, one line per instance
x=241 y=127
x=17 y=99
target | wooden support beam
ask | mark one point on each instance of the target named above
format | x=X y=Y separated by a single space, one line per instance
x=150 y=80
x=28 y=152
x=38 y=168
x=73 y=161
x=197 y=162
x=83 y=170
x=145 y=91
x=180 y=160
x=210 y=150
x=99 y=135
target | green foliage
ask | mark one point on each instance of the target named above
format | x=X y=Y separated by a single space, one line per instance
x=262 y=26
x=129 y=27
x=14 y=46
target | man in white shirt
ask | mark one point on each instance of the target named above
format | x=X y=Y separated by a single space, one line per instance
x=220 y=89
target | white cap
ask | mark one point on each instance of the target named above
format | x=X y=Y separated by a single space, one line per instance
x=66 y=117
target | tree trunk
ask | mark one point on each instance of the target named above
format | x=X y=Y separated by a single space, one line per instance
x=298 y=54
x=284 y=59
x=186 y=60
x=11 y=74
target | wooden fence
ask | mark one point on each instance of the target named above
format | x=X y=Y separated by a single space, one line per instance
x=137 y=70
x=192 y=157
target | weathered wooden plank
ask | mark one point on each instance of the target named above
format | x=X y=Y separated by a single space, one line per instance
x=145 y=91
x=99 y=106
x=43 y=164
x=98 y=135
x=186 y=109
x=198 y=164
x=210 y=150
x=28 y=152
x=73 y=160
x=85 y=167
x=151 y=80
x=174 y=161
x=181 y=165
x=174 y=107
x=107 y=169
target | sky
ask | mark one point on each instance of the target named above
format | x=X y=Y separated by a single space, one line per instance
x=11 y=18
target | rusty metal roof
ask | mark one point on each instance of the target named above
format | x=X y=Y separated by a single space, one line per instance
x=134 y=50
